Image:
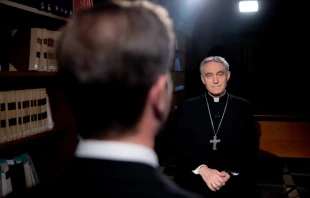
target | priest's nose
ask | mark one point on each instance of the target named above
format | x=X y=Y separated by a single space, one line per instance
x=215 y=80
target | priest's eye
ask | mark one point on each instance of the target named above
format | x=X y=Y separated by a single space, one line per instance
x=220 y=74
x=209 y=75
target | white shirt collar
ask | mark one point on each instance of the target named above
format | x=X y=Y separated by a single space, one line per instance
x=120 y=151
x=216 y=99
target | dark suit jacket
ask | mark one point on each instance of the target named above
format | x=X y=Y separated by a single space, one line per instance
x=106 y=178
x=236 y=152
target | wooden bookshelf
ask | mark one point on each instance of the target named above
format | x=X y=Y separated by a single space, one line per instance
x=51 y=150
x=30 y=9
x=178 y=75
x=28 y=139
x=185 y=50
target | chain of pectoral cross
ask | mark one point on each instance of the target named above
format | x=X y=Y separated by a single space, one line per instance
x=215 y=140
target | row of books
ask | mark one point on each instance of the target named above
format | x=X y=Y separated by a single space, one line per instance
x=179 y=88
x=24 y=113
x=58 y=7
x=177 y=64
x=82 y=4
x=62 y=8
x=33 y=49
x=16 y=174
x=36 y=46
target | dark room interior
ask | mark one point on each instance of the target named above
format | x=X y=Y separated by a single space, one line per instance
x=267 y=55
x=265 y=50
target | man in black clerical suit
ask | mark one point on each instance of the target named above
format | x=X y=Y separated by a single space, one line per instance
x=114 y=62
x=217 y=139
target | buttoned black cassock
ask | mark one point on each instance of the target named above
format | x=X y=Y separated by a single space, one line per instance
x=236 y=151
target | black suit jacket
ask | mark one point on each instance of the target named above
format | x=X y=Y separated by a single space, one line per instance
x=237 y=150
x=107 y=178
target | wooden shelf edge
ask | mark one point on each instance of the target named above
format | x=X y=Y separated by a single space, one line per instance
x=292 y=118
x=57 y=128
x=31 y=9
x=277 y=116
x=25 y=74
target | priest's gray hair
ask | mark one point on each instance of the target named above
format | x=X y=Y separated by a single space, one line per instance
x=217 y=59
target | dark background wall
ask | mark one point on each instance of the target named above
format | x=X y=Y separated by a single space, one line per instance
x=267 y=50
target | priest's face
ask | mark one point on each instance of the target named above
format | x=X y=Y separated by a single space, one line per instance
x=215 y=77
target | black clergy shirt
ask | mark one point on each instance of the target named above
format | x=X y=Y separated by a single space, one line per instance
x=236 y=151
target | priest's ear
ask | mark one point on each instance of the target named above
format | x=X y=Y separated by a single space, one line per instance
x=160 y=97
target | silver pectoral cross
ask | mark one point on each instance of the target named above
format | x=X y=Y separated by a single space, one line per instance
x=215 y=141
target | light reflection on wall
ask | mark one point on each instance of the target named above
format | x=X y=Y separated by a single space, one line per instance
x=183 y=12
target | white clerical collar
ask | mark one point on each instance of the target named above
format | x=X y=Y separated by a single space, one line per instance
x=120 y=151
x=216 y=99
